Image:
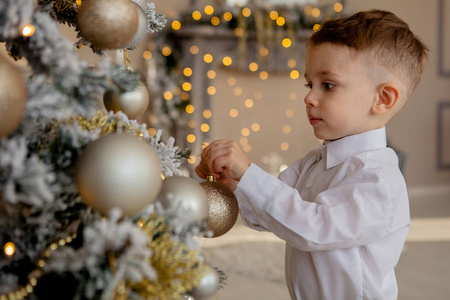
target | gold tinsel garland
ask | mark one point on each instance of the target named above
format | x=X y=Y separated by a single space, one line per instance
x=104 y=123
x=107 y=124
x=178 y=267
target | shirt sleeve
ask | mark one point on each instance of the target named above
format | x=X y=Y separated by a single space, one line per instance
x=354 y=212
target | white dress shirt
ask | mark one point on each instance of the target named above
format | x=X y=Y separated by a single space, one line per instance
x=343 y=211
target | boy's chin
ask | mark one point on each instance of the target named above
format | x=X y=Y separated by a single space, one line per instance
x=320 y=135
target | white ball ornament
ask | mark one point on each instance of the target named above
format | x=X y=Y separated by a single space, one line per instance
x=108 y=24
x=184 y=193
x=118 y=170
x=208 y=286
x=133 y=104
x=141 y=28
x=13 y=96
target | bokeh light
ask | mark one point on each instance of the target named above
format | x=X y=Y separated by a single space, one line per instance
x=207 y=114
x=190 y=108
x=227 y=16
x=166 y=51
x=263 y=75
x=211 y=74
x=147 y=55
x=9 y=249
x=209 y=10
x=191 y=138
x=204 y=127
x=28 y=30
x=256 y=127
x=284 y=146
x=196 y=15
x=194 y=49
x=187 y=71
x=286 y=42
x=211 y=90
x=227 y=61
x=176 y=25
x=208 y=58
x=338 y=7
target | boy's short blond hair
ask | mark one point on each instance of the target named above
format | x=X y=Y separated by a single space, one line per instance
x=386 y=39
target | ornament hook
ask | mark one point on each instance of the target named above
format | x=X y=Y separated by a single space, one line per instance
x=211 y=178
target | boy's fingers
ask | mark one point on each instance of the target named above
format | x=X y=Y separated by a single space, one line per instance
x=220 y=164
x=202 y=170
x=215 y=158
x=218 y=159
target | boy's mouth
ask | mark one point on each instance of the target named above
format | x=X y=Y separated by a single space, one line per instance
x=314 y=120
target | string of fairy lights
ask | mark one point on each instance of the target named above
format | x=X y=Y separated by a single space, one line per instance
x=9 y=249
x=212 y=60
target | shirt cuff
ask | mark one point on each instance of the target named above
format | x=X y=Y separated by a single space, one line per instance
x=252 y=192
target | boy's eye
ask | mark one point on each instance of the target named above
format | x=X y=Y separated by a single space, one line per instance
x=328 y=86
x=308 y=85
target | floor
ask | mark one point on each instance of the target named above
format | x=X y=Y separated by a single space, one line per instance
x=254 y=260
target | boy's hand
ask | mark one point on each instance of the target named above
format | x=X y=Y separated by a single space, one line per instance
x=226 y=160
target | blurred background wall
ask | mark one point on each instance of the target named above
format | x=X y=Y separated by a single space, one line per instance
x=420 y=132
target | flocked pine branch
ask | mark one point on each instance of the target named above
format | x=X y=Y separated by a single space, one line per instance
x=39 y=201
x=125 y=246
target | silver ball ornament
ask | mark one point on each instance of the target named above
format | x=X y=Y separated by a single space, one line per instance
x=185 y=193
x=208 y=286
x=108 y=24
x=118 y=170
x=133 y=104
x=13 y=96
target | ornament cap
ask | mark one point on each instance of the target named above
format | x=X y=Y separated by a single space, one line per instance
x=211 y=178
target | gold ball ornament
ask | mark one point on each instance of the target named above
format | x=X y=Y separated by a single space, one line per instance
x=223 y=206
x=13 y=96
x=108 y=24
x=118 y=170
x=184 y=193
x=133 y=104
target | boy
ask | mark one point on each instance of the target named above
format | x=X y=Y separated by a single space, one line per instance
x=343 y=208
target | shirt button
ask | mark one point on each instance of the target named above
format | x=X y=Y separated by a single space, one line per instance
x=308 y=185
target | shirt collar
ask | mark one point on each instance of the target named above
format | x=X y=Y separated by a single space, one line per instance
x=340 y=150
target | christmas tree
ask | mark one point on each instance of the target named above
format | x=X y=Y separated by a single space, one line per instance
x=84 y=211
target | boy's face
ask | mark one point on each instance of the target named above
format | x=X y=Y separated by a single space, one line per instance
x=341 y=91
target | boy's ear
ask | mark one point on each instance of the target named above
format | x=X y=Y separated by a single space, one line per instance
x=387 y=97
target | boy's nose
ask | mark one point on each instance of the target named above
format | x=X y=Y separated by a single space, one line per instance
x=310 y=99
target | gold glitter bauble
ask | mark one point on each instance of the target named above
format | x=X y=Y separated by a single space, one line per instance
x=223 y=207
x=133 y=103
x=118 y=170
x=13 y=96
x=185 y=193
x=108 y=24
